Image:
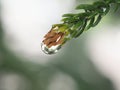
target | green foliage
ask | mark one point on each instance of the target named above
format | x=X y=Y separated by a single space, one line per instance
x=90 y=17
x=74 y=24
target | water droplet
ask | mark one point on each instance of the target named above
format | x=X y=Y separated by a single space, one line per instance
x=51 y=50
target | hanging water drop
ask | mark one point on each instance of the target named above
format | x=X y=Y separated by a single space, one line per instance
x=51 y=50
x=53 y=40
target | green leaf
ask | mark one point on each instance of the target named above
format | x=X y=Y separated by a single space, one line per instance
x=99 y=4
x=81 y=29
x=86 y=7
x=97 y=20
x=92 y=15
x=90 y=23
x=65 y=19
x=73 y=33
x=59 y=25
x=107 y=9
x=68 y=15
x=77 y=25
x=69 y=20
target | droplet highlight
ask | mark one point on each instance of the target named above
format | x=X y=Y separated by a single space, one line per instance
x=51 y=50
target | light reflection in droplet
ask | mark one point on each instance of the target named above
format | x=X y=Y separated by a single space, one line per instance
x=51 y=50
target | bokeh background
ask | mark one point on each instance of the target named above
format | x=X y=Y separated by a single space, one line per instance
x=90 y=62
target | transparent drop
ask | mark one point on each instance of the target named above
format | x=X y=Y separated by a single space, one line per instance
x=51 y=50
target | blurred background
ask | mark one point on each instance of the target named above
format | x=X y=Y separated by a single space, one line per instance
x=90 y=62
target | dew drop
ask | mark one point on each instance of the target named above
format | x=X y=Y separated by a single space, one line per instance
x=51 y=50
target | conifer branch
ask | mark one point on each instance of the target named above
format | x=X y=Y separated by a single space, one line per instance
x=73 y=25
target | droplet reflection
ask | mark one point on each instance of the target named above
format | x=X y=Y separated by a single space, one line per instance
x=51 y=50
